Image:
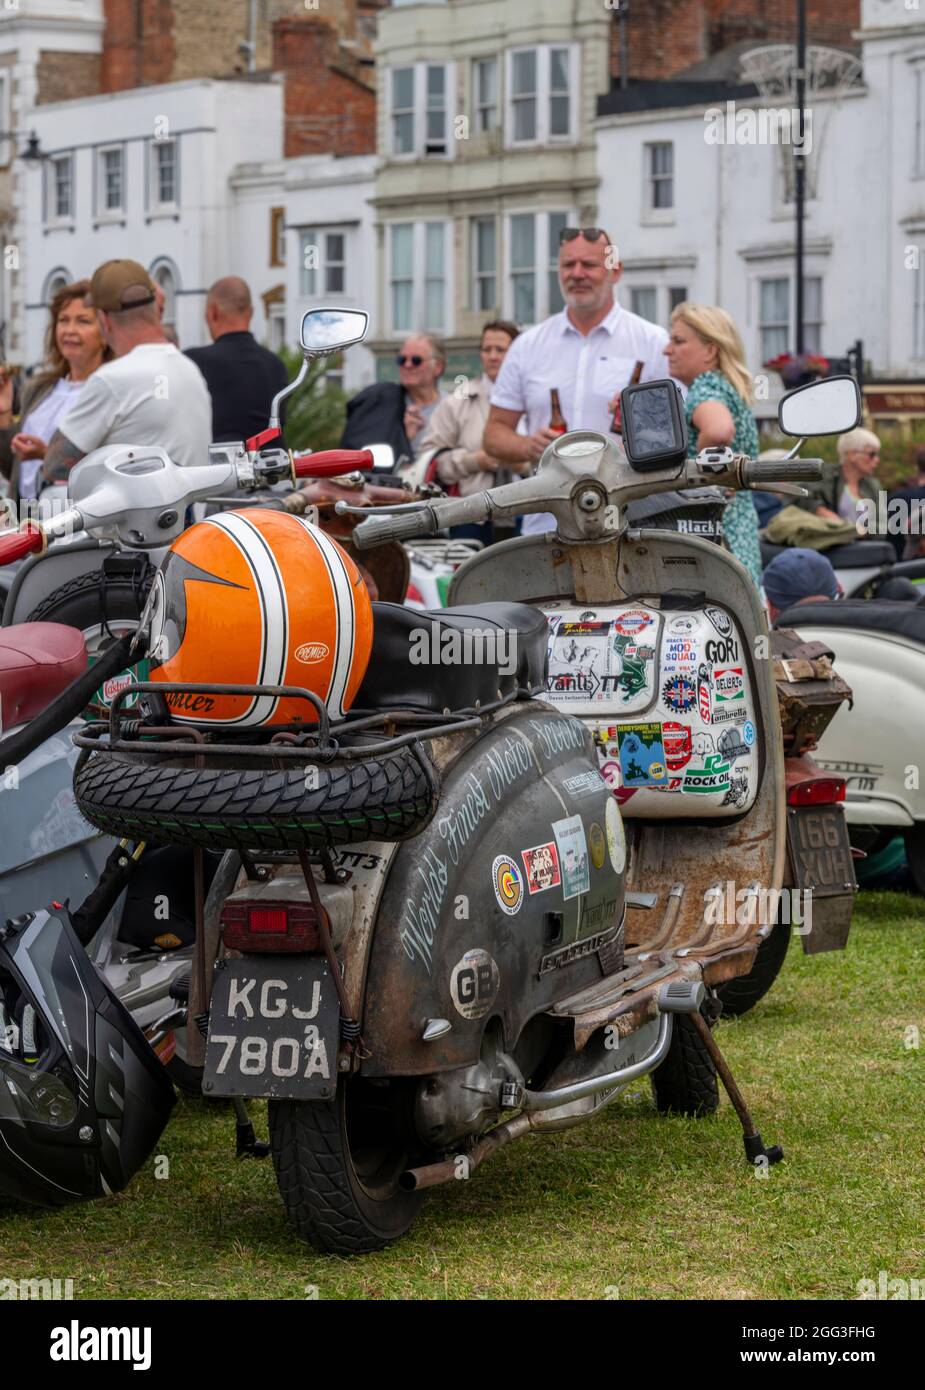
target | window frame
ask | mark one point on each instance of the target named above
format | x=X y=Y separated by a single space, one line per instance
x=103 y=212
x=155 y=206
x=320 y=233
x=478 y=105
x=918 y=308
x=420 y=110
x=477 y=275
x=812 y=327
x=419 y=277
x=543 y=95
x=918 y=129
x=545 y=254
x=55 y=218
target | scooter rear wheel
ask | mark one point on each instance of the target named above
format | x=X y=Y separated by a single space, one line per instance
x=741 y=994
x=338 y=1164
x=915 y=855
x=685 y=1083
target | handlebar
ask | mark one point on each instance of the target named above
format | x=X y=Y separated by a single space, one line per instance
x=330 y=463
x=781 y=471
x=30 y=540
x=377 y=530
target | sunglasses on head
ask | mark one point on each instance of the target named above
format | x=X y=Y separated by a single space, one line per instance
x=414 y=361
x=589 y=234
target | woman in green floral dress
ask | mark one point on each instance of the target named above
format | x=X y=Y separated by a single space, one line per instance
x=705 y=353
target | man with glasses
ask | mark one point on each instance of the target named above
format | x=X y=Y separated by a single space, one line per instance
x=397 y=413
x=587 y=353
x=844 y=485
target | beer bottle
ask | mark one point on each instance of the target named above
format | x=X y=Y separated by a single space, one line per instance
x=556 y=418
x=616 y=425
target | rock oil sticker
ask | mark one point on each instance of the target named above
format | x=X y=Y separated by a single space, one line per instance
x=508 y=884
x=642 y=755
x=712 y=777
x=474 y=983
x=616 y=839
x=541 y=866
x=573 y=855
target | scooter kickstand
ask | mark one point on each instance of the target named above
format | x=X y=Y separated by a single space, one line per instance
x=755 y=1150
x=247 y=1145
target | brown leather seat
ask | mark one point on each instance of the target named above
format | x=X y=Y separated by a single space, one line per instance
x=37 y=661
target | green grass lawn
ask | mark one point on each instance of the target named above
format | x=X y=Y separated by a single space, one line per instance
x=631 y=1205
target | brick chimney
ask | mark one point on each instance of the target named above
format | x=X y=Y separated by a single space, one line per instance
x=330 y=108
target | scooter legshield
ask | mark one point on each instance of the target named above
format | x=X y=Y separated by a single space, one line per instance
x=508 y=901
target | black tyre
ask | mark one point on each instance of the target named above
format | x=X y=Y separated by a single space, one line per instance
x=387 y=797
x=338 y=1164
x=77 y=604
x=685 y=1083
x=740 y=995
x=915 y=856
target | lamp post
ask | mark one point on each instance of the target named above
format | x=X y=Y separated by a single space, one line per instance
x=799 y=168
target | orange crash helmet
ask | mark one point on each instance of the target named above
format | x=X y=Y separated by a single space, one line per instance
x=258 y=598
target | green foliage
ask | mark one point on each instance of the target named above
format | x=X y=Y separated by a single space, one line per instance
x=899 y=444
x=315 y=414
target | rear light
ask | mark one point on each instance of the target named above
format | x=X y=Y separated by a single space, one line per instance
x=818 y=791
x=270 y=926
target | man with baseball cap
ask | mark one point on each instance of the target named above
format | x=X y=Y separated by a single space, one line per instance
x=150 y=393
x=798 y=576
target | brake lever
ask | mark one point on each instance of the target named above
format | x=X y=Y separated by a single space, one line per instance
x=348 y=509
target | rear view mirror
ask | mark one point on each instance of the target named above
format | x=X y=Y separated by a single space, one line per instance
x=332 y=330
x=830 y=406
x=654 y=428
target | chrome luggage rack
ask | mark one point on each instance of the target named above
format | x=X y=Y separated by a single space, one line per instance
x=323 y=740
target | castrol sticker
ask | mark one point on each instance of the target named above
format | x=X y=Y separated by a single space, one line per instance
x=311 y=652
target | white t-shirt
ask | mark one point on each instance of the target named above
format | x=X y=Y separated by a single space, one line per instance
x=587 y=371
x=43 y=421
x=152 y=395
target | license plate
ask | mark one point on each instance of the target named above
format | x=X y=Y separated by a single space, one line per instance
x=274 y=1028
x=820 y=852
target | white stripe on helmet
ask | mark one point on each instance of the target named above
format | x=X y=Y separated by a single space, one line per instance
x=344 y=617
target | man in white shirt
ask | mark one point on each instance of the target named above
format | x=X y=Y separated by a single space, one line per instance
x=587 y=353
x=151 y=393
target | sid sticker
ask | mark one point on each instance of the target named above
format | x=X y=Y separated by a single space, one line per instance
x=616 y=839
x=474 y=983
x=508 y=884
x=597 y=844
x=573 y=855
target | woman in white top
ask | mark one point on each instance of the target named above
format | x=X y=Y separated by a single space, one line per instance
x=74 y=349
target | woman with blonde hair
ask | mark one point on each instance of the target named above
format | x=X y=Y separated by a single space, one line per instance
x=705 y=353
x=74 y=348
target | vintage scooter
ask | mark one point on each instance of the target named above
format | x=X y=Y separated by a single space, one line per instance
x=420 y=933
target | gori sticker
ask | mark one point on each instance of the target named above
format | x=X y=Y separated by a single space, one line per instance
x=573 y=855
x=541 y=865
x=616 y=839
x=474 y=983
x=508 y=884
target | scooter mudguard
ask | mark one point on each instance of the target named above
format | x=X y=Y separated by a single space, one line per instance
x=510 y=899
x=47 y=849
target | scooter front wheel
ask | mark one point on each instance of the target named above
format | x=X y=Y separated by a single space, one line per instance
x=338 y=1164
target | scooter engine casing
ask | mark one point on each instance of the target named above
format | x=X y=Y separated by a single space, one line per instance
x=511 y=899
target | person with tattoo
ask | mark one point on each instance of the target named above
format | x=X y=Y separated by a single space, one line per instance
x=150 y=394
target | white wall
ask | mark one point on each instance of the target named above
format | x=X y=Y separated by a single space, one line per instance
x=216 y=124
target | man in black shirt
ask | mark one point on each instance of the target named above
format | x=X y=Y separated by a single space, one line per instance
x=242 y=376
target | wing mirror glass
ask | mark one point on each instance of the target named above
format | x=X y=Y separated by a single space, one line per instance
x=830 y=406
x=332 y=330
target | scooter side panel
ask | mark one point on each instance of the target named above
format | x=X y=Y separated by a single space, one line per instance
x=511 y=899
x=42 y=574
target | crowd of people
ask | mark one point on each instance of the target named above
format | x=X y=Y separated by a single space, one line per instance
x=114 y=373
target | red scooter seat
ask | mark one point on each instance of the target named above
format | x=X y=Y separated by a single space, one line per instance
x=37 y=661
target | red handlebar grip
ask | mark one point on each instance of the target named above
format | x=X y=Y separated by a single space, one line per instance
x=28 y=541
x=328 y=463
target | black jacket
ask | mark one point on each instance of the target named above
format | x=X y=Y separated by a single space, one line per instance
x=242 y=378
x=376 y=416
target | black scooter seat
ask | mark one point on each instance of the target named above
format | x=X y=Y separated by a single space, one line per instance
x=856 y=555
x=870 y=614
x=453 y=658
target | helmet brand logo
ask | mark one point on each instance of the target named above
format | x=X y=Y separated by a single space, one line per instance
x=310 y=652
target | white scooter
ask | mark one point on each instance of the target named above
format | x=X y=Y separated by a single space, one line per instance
x=878 y=745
